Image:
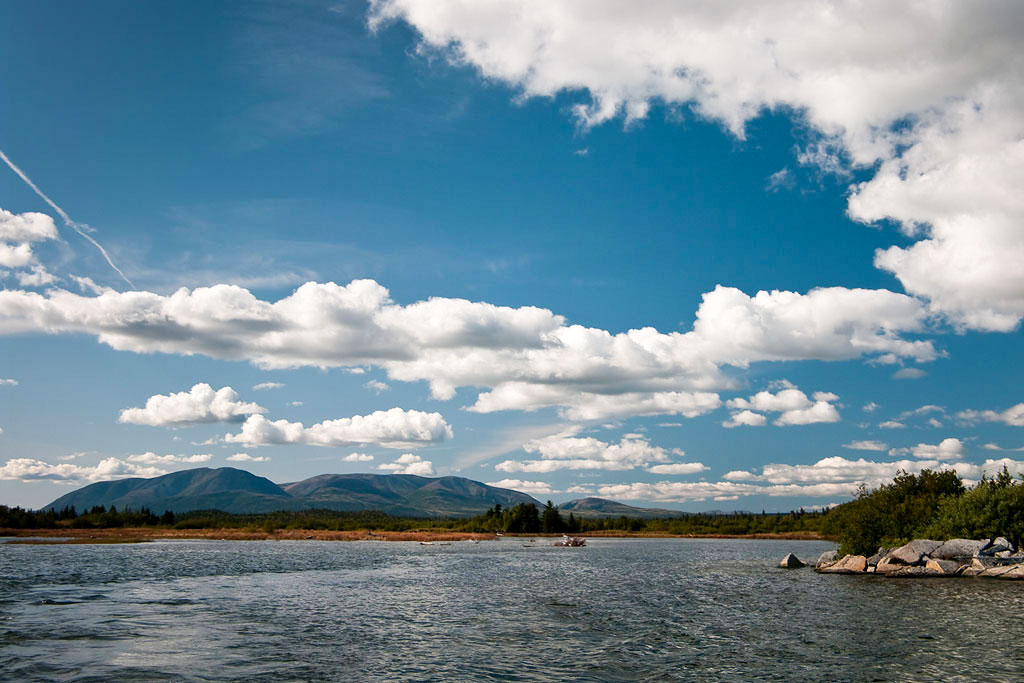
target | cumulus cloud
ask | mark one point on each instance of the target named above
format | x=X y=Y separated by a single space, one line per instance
x=745 y=418
x=409 y=464
x=524 y=358
x=357 y=457
x=870 y=407
x=911 y=96
x=201 y=404
x=36 y=276
x=947 y=449
x=263 y=386
x=535 y=488
x=17 y=234
x=793 y=404
x=909 y=373
x=151 y=458
x=891 y=424
x=245 y=457
x=866 y=446
x=28 y=469
x=8 y=382
x=394 y=428
x=1013 y=416
x=566 y=450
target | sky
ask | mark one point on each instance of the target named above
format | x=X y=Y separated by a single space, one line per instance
x=702 y=256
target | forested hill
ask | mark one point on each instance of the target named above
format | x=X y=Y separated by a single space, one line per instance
x=601 y=507
x=239 y=492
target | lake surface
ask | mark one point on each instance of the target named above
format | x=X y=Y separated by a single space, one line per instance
x=616 y=610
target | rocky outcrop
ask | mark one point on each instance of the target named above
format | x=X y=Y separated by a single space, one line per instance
x=926 y=558
x=850 y=564
x=913 y=553
x=958 y=549
x=827 y=559
x=791 y=561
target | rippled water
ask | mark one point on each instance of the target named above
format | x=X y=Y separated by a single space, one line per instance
x=615 y=610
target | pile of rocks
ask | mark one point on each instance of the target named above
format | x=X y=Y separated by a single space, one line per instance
x=924 y=558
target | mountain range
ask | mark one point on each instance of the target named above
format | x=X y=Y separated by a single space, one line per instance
x=240 y=492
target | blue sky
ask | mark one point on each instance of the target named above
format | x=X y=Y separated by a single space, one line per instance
x=729 y=257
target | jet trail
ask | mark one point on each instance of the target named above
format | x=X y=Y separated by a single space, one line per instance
x=80 y=228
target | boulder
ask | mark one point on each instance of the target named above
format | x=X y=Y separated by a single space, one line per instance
x=791 y=561
x=958 y=549
x=913 y=553
x=983 y=563
x=918 y=572
x=1016 y=573
x=948 y=567
x=877 y=557
x=997 y=572
x=998 y=545
x=850 y=564
x=829 y=557
x=884 y=566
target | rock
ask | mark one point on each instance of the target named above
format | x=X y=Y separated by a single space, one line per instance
x=983 y=563
x=913 y=552
x=791 y=561
x=997 y=572
x=877 y=557
x=850 y=564
x=1003 y=554
x=998 y=545
x=958 y=549
x=829 y=557
x=918 y=572
x=971 y=570
x=1016 y=573
x=886 y=567
x=948 y=567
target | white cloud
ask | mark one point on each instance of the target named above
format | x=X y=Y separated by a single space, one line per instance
x=909 y=373
x=409 y=464
x=150 y=458
x=866 y=446
x=17 y=233
x=199 y=405
x=747 y=418
x=565 y=450
x=927 y=95
x=27 y=469
x=1013 y=416
x=997 y=447
x=37 y=276
x=870 y=407
x=377 y=385
x=536 y=488
x=523 y=358
x=947 y=449
x=8 y=382
x=245 y=457
x=793 y=404
x=394 y=428
x=357 y=457
x=679 y=468
x=263 y=386
x=891 y=424
x=295 y=403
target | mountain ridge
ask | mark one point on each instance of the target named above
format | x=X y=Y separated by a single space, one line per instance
x=240 y=492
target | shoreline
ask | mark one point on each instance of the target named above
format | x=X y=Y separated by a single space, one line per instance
x=145 y=534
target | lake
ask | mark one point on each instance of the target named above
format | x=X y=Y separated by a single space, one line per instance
x=616 y=610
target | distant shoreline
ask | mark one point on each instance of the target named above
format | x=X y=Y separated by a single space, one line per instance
x=142 y=534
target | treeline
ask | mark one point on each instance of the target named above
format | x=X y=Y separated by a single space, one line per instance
x=932 y=505
x=526 y=518
x=98 y=517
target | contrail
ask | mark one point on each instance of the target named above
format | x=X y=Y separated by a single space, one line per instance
x=80 y=228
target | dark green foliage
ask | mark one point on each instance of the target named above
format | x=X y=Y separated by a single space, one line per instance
x=928 y=505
